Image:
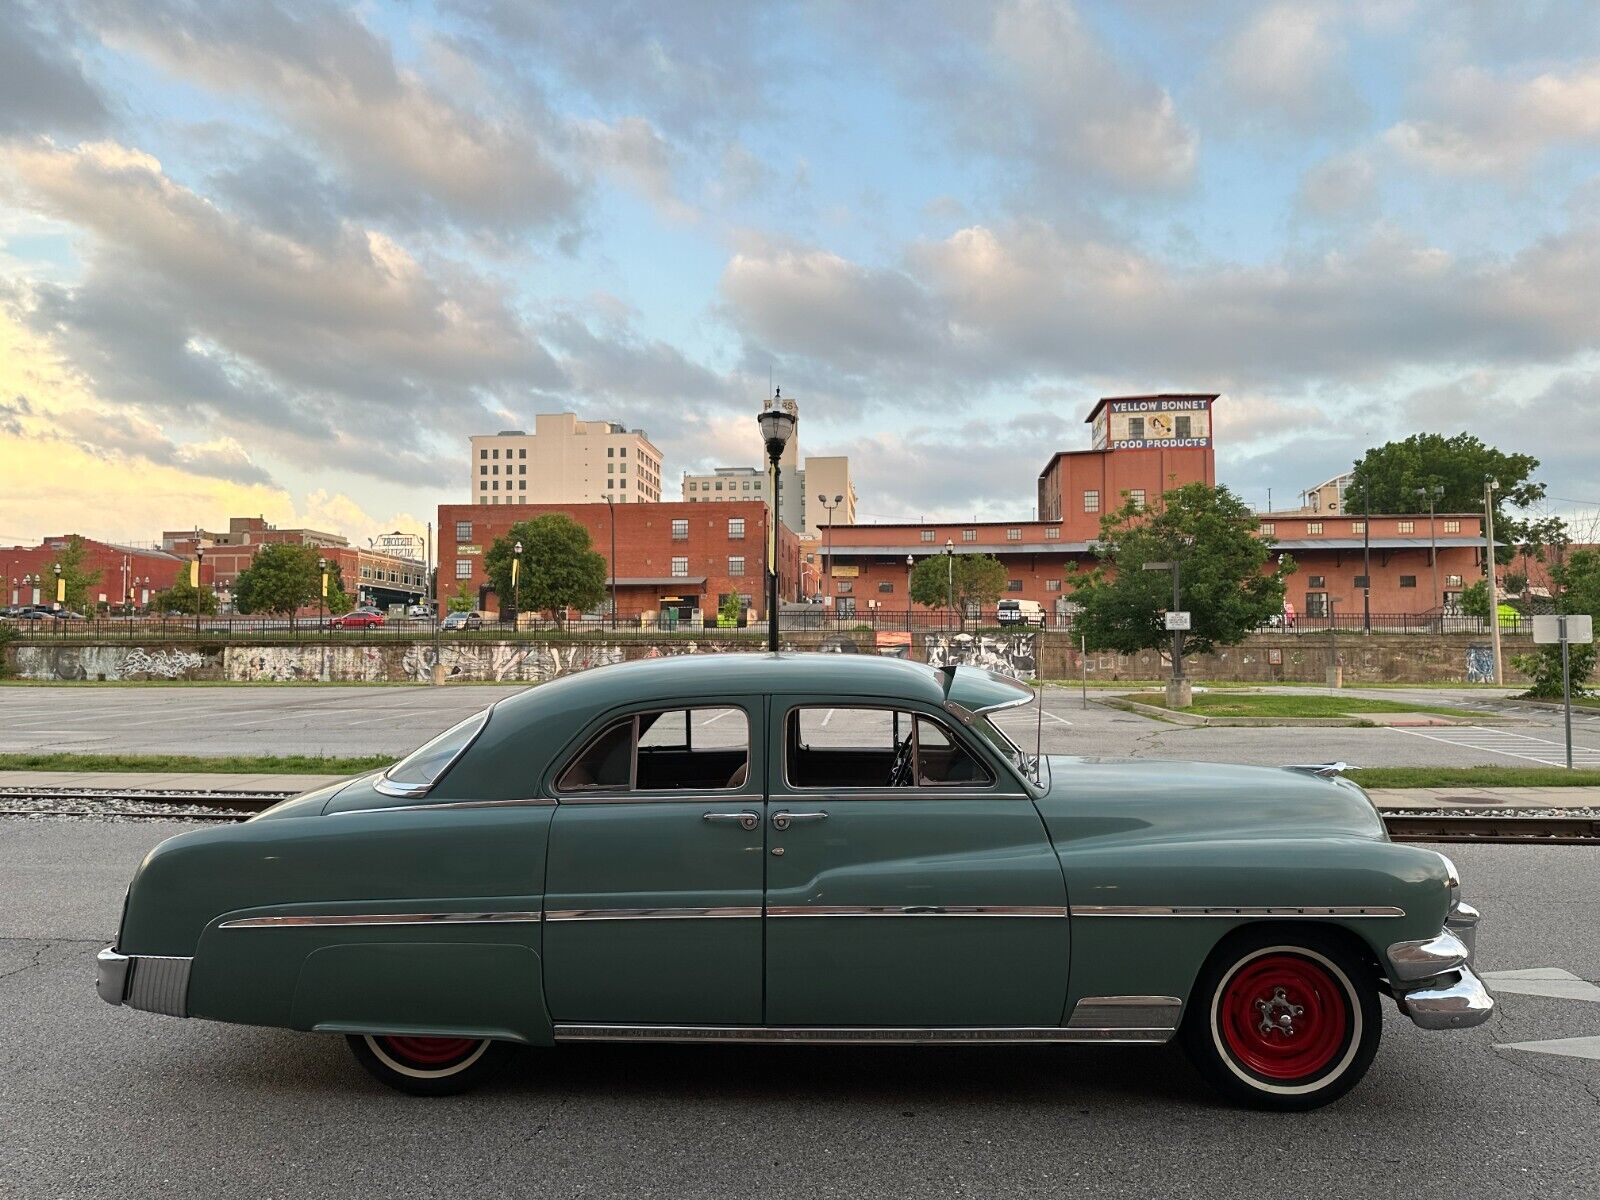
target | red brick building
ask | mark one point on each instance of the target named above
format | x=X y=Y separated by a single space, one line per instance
x=128 y=574
x=672 y=558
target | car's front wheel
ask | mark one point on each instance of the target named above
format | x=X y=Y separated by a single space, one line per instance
x=1284 y=1022
x=430 y=1066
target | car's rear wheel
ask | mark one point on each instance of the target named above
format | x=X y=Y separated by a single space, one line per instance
x=1285 y=1022
x=430 y=1066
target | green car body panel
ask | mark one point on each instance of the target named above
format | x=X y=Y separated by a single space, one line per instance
x=489 y=904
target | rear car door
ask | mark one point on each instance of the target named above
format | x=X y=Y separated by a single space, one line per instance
x=653 y=892
x=911 y=882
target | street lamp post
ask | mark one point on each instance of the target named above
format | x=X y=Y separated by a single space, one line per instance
x=56 y=567
x=777 y=426
x=516 y=576
x=611 y=505
x=1490 y=486
x=827 y=549
x=1178 y=690
x=950 y=575
x=910 y=563
x=1432 y=493
x=1366 y=557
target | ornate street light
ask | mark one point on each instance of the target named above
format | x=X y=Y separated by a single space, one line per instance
x=777 y=427
x=950 y=575
x=516 y=576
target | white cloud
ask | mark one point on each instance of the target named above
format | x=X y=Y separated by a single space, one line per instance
x=1340 y=187
x=1286 y=65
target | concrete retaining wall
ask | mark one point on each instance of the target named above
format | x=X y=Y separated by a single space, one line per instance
x=1264 y=658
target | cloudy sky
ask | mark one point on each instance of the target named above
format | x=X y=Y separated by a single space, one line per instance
x=285 y=257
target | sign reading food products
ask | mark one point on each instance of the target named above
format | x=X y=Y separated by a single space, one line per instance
x=1158 y=423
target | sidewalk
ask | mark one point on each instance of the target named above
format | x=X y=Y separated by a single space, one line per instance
x=1466 y=799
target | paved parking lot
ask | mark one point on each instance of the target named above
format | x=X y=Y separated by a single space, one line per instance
x=373 y=720
x=103 y=1102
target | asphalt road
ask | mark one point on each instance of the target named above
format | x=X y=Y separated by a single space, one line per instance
x=374 y=720
x=103 y=1102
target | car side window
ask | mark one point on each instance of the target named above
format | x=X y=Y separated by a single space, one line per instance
x=679 y=749
x=861 y=747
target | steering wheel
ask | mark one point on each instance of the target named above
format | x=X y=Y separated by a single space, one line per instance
x=900 y=768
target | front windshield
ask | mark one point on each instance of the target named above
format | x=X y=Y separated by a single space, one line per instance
x=423 y=766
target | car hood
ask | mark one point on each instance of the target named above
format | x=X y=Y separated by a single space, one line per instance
x=1158 y=800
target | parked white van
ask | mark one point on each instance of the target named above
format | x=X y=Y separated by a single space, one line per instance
x=1020 y=612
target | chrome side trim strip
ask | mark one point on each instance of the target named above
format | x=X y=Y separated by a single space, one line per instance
x=1146 y=1014
x=648 y=914
x=915 y=910
x=426 y=807
x=343 y=919
x=159 y=984
x=1188 y=910
x=853 y=1034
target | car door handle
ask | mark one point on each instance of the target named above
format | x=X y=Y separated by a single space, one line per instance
x=744 y=820
x=784 y=819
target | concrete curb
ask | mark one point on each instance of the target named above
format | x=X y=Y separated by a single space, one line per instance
x=1182 y=718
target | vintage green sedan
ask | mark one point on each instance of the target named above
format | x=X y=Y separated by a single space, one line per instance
x=803 y=848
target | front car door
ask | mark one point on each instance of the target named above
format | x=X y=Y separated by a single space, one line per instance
x=910 y=880
x=654 y=883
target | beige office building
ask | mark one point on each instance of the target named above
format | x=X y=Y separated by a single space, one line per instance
x=828 y=476
x=565 y=461
x=726 y=483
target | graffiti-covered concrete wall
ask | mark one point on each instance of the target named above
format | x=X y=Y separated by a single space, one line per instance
x=1014 y=654
x=116 y=662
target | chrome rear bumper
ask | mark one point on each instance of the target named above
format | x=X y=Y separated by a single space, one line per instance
x=158 y=984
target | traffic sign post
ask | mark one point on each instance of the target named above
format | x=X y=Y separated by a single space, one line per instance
x=1565 y=629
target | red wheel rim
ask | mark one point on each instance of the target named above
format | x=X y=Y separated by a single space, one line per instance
x=430 y=1051
x=1284 y=1017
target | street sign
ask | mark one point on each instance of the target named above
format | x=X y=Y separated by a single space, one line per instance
x=1580 y=629
x=1177 y=620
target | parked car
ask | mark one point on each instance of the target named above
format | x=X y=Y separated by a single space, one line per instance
x=804 y=848
x=360 y=618
x=1020 y=612
x=462 y=620
x=419 y=612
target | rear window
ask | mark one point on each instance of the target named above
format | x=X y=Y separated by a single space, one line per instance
x=423 y=766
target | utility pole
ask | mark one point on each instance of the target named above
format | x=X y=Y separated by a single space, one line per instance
x=1366 y=557
x=1490 y=486
x=1179 y=694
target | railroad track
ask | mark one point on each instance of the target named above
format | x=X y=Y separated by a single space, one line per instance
x=1439 y=826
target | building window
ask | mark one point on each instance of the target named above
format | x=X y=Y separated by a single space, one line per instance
x=609 y=484
x=927 y=535
x=680 y=530
x=1452 y=526
x=1316 y=604
x=680 y=568
x=1052 y=534
x=495 y=485
x=1359 y=581
x=1269 y=527
x=1183 y=427
x=622 y=452
x=1316 y=581
x=522 y=470
x=1135 y=427
x=463 y=568
x=522 y=485
x=483 y=454
x=1091 y=500
x=622 y=483
x=736 y=564
x=1406 y=527
x=495 y=470
x=1358 y=527
x=886 y=586
x=735 y=527
x=611 y=451
x=1052 y=585
x=746 y=485
x=1013 y=535
x=969 y=535
x=1313 y=526
x=844 y=586
x=719 y=485
x=1136 y=497
x=496 y=454
x=522 y=453
x=688 y=487
x=1408 y=581
x=1013 y=585
x=463 y=531
x=1452 y=581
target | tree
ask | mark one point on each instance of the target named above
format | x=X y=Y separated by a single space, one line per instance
x=976 y=579
x=281 y=580
x=1389 y=475
x=1577 y=583
x=462 y=600
x=729 y=611
x=78 y=578
x=182 y=598
x=560 y=569
x=338 y=599
x=1215 y=538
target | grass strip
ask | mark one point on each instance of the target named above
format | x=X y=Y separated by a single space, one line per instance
x=1226 y=704
x=1485 y=777
x=222 y=764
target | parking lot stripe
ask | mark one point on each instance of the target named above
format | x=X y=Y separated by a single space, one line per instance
x=1512 y=745
x=1577 y=1047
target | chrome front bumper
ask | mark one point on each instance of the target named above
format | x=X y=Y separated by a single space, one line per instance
x=1430 y=978
x=149 y=982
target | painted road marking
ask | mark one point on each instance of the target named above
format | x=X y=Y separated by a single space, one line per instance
x=1576 y=1047
x=1512 y=745
x=1543 y=981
